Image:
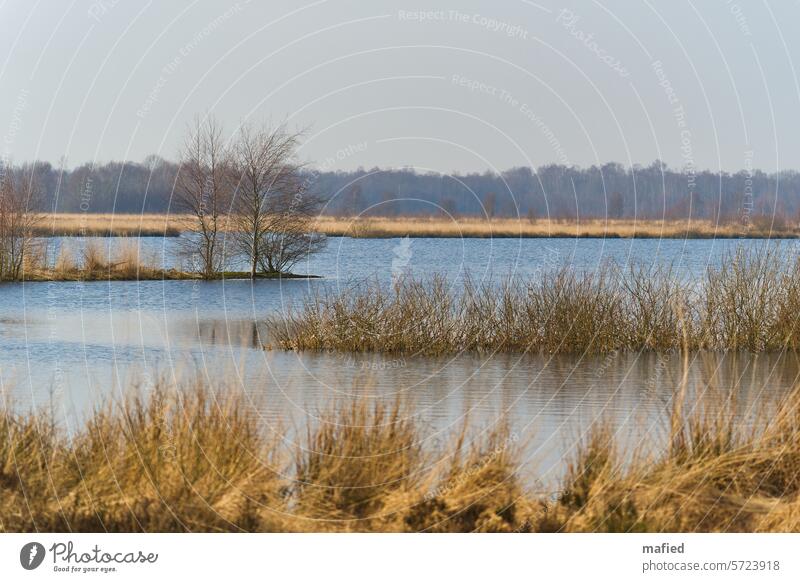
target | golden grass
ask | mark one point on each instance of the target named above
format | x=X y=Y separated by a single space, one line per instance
x=95 y=262
x=182 y=460
x=156 y=464
x=750 y=302
x=85 y=224
x=194 y=459
x=715 y=473
x=378 y=227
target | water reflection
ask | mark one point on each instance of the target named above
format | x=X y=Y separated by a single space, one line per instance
x=236 y=333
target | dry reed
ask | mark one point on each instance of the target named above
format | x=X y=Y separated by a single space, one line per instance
x=189 y=460
x=750 y=302
x=424 y=226
x=97 y=261
x=103 y=225
x=420 y=226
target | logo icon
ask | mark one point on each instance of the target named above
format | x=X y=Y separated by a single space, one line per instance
x=31 y=555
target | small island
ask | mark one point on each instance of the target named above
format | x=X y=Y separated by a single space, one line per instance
x=95 y=262
x=245 y=202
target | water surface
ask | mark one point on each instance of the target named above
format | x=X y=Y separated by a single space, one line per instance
x=74 y=345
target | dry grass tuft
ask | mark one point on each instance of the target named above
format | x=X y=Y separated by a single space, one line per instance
x=480 y=490
x=97 y=262
x=183 y=460
x=65 y=261
x=362 y=461
x=716 y=473
x=171 y=462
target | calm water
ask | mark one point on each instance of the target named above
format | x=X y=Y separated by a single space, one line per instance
x=72 y=345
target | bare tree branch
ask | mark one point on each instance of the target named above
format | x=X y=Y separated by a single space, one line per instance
x=204 y=189
x=20 y=212
x=273 y=212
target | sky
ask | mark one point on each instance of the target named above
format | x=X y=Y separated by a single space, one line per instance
x=441 y=86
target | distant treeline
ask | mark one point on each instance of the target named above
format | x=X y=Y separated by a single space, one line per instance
x=554 y=191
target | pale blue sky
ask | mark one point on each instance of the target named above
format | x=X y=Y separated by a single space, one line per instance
x=473 y=85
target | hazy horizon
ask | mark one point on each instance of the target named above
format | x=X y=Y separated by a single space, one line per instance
x=450 y=88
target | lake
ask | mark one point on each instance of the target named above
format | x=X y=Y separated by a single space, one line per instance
x=74 y=345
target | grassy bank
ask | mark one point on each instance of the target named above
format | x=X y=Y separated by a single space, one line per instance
x=751 y=302
x=185 y=461
x=174 y=224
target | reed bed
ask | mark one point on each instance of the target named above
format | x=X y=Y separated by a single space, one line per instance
x=715 y=473
x=102 y=225
x=750 y=302
x=95 y=261
x=188 y=459
x=85 y=224
x=435 y=227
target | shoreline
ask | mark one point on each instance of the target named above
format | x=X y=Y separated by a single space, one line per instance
x=172 y=225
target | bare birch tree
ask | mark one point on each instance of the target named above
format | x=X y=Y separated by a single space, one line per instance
x=20 y=212
x=204 y=188
x=273 y=210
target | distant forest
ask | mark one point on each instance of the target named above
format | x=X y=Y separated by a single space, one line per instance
x=554 y=191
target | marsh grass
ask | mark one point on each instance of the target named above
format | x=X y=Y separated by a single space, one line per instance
x=186 y=460
x=160 y=463
x=189 y=459
x=65 y=261
x=97 y=261
x=480 y=490
x=85 y=224
x=94 y=259
x=123 y=262
x=361 y=461
x=562 y=312
x=105 y=225
x=467 y=227
x=725 y=465
x=751 y=301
